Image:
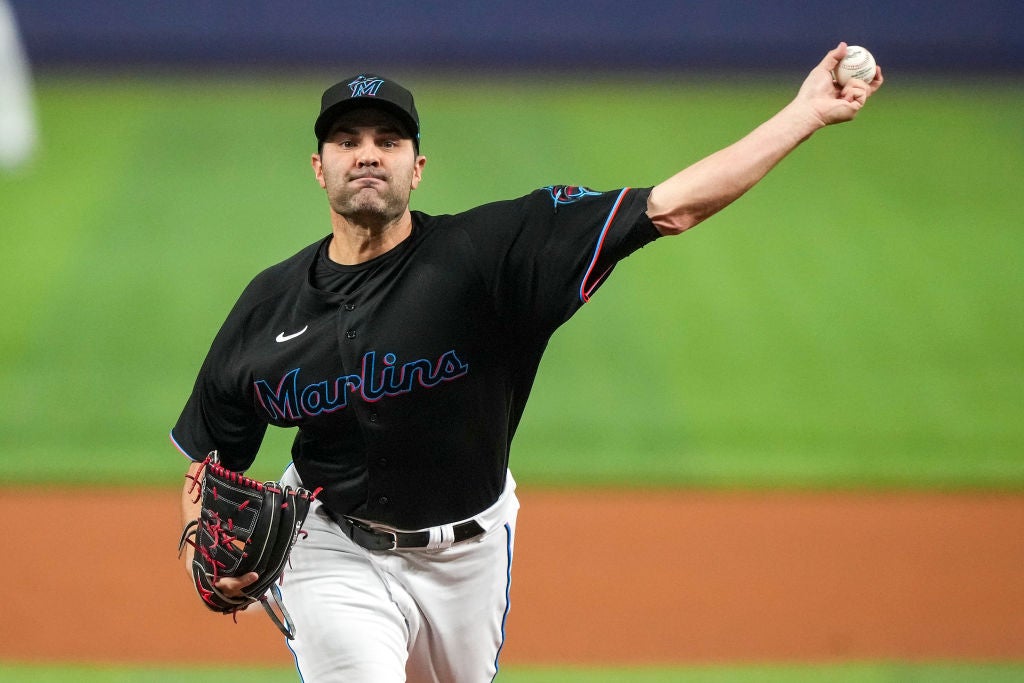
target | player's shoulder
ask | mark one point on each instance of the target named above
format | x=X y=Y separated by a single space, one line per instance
x=549 y=198
x=496 y=210
x=270 y=281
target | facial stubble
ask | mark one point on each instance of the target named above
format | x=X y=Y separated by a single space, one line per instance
x=368 y=205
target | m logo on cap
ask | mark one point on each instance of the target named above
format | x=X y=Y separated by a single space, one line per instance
x=365 y=87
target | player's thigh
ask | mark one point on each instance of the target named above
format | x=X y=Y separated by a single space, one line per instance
x=463 y=596
x=347 y=627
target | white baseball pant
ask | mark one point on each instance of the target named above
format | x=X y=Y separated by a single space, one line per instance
x=422 y=615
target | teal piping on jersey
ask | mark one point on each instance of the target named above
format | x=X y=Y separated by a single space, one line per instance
x=174 y=442
x=585 y=290
x=508 y=589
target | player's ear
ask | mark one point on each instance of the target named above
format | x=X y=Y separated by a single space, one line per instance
x=417 y=170
x=318 y=170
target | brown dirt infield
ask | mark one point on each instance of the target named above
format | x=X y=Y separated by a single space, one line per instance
x=599 y=578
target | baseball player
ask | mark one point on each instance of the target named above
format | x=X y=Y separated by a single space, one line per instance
x=18 y=127
x=403 y=346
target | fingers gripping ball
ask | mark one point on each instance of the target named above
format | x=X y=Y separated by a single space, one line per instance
x=244 y=526
x=858 y=63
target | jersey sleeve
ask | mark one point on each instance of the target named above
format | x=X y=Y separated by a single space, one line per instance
x=219 y=412
x=564 y=244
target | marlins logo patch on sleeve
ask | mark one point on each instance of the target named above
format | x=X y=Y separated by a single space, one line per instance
x=568 y=194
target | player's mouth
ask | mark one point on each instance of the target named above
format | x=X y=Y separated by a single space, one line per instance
x=368 y=179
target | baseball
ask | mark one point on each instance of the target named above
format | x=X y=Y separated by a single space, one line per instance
x=858 y=63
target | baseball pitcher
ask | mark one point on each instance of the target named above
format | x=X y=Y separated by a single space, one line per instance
x=403 y=346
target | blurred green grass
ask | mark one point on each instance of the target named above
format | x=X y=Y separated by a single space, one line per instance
x=840 y=673
x=855 y=321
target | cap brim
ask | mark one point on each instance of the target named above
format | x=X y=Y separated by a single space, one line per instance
x=325 y=121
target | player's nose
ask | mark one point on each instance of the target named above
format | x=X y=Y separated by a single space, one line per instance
x=368 y=156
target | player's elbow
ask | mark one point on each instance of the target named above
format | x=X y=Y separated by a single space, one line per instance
x=673 y=227
x=674 y=222
x=674 y=217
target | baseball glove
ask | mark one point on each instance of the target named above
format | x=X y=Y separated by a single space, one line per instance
x=244 y=526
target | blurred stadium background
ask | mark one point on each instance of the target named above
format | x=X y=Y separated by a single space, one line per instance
x=855 y=322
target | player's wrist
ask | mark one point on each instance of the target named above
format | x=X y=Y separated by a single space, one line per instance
x=798 y=121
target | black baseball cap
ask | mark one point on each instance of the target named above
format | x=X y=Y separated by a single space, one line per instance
x=367 y=90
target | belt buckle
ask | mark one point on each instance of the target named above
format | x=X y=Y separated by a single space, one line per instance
x=365 y=530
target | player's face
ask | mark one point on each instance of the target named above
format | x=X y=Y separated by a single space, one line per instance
x=368 y=166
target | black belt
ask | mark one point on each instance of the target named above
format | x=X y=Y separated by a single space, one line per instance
x=381 y=539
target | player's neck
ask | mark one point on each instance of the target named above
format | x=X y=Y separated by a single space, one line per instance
x=355 y=243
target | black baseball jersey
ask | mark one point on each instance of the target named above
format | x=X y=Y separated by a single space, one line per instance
x=408 y=374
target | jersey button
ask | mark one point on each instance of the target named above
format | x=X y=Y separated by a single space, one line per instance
x=383 y=500
x=350 y=307
x=351 y=334
x=383 y=462
x=374 y=417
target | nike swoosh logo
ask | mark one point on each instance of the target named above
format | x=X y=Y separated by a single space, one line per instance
x=285 y=337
